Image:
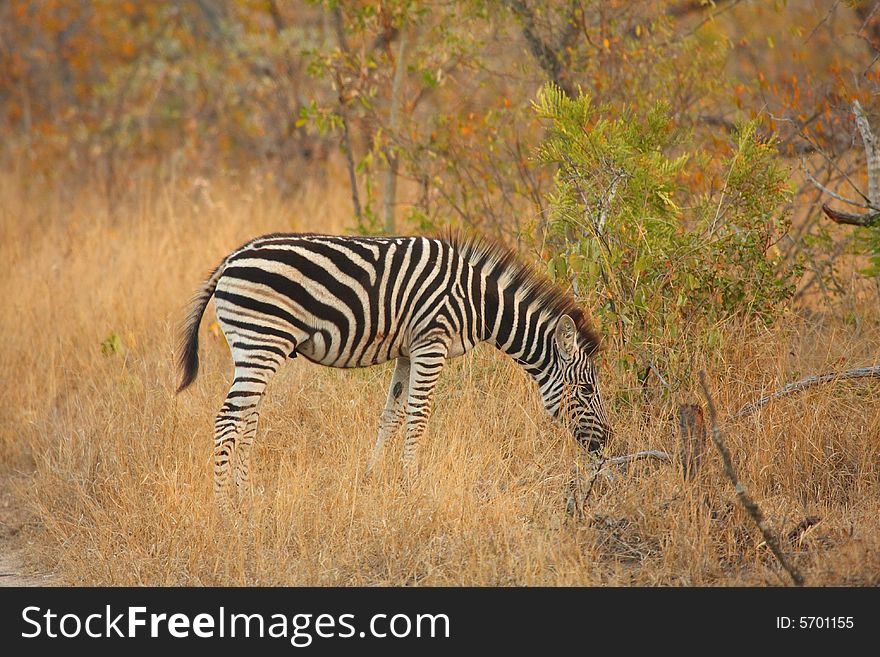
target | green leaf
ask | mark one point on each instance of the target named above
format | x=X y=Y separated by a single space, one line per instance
x=111 y=345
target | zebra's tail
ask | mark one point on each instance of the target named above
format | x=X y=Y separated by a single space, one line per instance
x=188 y=347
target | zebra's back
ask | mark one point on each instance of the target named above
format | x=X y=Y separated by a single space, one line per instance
x=339 y=301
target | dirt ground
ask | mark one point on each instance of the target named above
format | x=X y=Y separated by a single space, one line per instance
x=14 y=567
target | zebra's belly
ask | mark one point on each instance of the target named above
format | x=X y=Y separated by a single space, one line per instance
x=317 y=351
x=374 y=354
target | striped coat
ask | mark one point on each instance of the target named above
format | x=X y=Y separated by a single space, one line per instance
x=359 y=301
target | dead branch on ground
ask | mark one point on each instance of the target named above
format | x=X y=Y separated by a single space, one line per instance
x=745 y=500
x=575 y=503
x=872 y=371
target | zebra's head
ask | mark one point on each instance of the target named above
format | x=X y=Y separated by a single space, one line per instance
x=571 y=389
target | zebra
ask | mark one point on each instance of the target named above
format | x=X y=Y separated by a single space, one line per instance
x=345 y=301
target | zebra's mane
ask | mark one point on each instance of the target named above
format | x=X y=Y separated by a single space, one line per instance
x=503 y=263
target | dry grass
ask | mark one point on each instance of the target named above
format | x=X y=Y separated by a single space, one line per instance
x=119 y=485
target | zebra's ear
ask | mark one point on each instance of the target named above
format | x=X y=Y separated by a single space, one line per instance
x=566 y=336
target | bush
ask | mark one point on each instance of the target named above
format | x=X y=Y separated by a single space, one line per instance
x=665 y=239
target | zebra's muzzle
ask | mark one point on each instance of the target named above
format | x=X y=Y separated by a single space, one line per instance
x=592 y=436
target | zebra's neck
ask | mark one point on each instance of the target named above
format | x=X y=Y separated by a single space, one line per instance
x=517 y=324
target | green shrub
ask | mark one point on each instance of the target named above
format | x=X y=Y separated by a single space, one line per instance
x=665 y=240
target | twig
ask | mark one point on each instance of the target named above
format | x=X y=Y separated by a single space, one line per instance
x=599 y=467
x=343 y=117
x=594 y=474
x=819 y=24
x=393 y=121
x=823 y=188
x=747 y=502
x=663 y=382
x=872 y=371
x=573 y=505
x=638 y=456
x=872 y=158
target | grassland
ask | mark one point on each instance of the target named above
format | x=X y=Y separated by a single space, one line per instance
x=112 y=470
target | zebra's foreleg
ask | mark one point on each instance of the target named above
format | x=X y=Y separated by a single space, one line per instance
x=427 y=361
x=392 y=416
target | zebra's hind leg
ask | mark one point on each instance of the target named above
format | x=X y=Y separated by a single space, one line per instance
x=427 y=361
x=243 y=454
x=227 y=427
x=392 y=416
x=236 y=423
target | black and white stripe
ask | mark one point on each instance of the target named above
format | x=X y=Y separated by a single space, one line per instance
x=358 y=301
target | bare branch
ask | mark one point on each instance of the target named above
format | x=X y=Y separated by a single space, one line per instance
x=873 y=161
x=872 y=371
x=393 y=124
x=343 y=116
x=651 y=368
x=868 y=15
x=277 y=20
x=747 y=502
x=820 y=23
x=823 y=188
x=849 y=218
x=870 y=152
x=339 y=26
x=545 y=54
x=606 y=199
x=638 y=456
x=574 y=505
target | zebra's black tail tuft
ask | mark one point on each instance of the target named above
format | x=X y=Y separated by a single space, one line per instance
x=188 y=348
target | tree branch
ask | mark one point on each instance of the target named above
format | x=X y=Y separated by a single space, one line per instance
x=824 y=189
x=747 y=502
x=850 y=218
x=638 y=456
x=872 y=158
x=390 y=195
x=544 y=53
x=573 y=505
x=871 y=155
x=346 y=137
x=872 y=371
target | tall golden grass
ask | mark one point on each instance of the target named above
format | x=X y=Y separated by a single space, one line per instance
x=118 y=478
